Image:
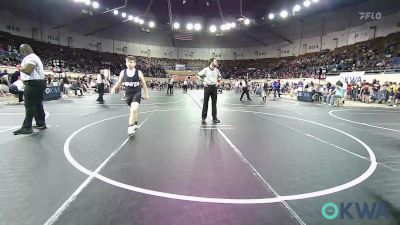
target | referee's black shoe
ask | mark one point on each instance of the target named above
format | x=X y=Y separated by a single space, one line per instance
x=216 y=120
x=23 y=131
x=40 y=126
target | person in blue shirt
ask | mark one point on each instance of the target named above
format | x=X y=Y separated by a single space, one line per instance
x=277 y=87
x=338 y=93
x=4 y=73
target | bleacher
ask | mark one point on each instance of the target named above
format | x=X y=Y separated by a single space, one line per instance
x=378 y=54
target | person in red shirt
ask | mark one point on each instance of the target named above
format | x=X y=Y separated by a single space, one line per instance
x=365 y=92
x=349 y=89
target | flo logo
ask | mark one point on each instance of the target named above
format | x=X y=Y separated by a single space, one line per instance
x=370 y=15
x=358 y=210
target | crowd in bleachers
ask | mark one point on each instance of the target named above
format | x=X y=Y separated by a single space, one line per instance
x=76 y=60
x=373 y=54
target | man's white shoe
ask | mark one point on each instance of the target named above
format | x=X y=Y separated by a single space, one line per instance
x=135 y=127
x=131 y=130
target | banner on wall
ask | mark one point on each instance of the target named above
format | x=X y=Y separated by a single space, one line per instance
x=180 y=67
x=352 y=77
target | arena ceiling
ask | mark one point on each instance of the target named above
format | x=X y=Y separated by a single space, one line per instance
x=333 y=15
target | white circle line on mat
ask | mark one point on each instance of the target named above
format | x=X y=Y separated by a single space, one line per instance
x=324 y=192
x=360 y=123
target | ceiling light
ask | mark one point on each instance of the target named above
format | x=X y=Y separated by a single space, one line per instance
x=136 y=19
x=151 y=24
x=87 y=2
x=271 y=16
x=247 y=21
x=95 y=5
x=213 y=28
x=115 y=12
x=306 y=3
x=296 y=8
x=233 y=25
x=315 y=1
x=228 y=26
x=141 y=21
x=176 y=25
x=123 y=15
x=189 y=26
x=197 y=26
x=283 y=14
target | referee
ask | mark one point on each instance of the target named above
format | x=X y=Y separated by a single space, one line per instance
x=101 y=81
x=31 y=70
x=210 y=76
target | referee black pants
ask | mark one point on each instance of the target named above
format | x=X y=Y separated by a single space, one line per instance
x=100 y=90
x=210 y=90
x=33 y=94
x=245 y=90
x=170 y=89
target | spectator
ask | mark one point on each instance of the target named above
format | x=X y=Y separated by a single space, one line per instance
x=4 y=81
x=17 y=88
x=338 y=93
x=15 y=77
x=4 y=88
x=4 y=73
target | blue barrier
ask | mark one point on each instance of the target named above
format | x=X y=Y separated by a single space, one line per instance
x=305 y=96
x=52 y=93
